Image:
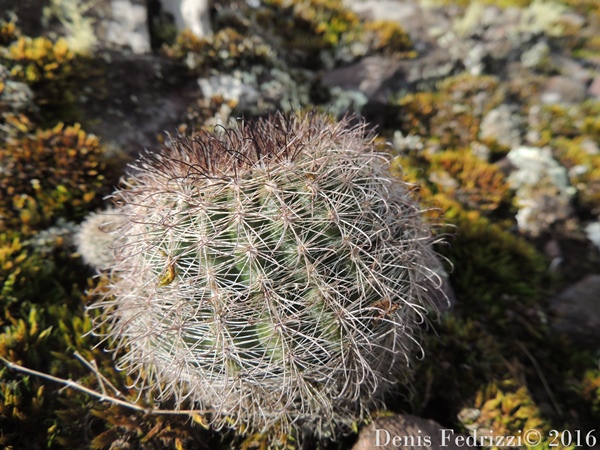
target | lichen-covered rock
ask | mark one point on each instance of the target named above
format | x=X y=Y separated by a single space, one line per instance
x=503 y=125
x=15 y=96
x=543 y=192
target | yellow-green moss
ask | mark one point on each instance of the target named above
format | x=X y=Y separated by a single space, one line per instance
x=225 y=50
x=452 y=115
x=590 y=389
x=583 y=166
x=310 y=24
x=9 y=32
x=306 y=28
x=506 y=408
x=53 y=71
x=387 y=36
x=55 y=172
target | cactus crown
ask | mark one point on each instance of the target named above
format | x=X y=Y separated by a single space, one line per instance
x=274 y=272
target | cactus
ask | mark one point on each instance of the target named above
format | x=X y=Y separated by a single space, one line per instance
x=274 y=273
x=95 y=240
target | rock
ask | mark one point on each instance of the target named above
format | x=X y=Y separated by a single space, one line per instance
x=552 y=249
x=367 y=76
x=407 y=143
x=145 y=96
x=594 y=87
x=129 y=26
x=503 y=125
x=393 y=10
x=577 y=309
x=592 y=232
x=190 y=14
x=230 y=88
x=561 y=89
x=536 y=57
x=543 y=194
x=405 y=432
x=572 y=69
x=421 y=23
x=16 y=97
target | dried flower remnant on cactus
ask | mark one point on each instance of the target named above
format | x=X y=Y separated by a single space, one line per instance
x=273 y=272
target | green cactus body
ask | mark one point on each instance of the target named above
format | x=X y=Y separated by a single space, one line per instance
x=274 y=272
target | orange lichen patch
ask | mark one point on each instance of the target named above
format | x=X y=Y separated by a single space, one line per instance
x=59 y=169
x=20 y=123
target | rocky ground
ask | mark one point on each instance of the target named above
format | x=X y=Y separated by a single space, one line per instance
x=492 y=109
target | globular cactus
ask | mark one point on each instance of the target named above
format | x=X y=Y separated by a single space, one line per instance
x=274 y=273
x=95 y=237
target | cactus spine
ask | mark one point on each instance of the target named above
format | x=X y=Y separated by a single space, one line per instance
x=274 y=272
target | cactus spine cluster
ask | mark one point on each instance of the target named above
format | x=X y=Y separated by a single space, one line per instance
x=273 y=272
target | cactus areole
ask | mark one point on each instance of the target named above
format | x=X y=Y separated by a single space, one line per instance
x=274 y=272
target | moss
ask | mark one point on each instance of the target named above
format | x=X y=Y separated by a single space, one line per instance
x=21 y=271
x=59 y=171
x=53 y=71
x=590 y=389
x=311 y=25
x=498 y=331
x=459 y=174
x=9 y=32
x=474 y=182
x=451 y=115
x=222 y=51
x=467 y=356
x=387 y=37
x=307 y=28
x=583 y=166
x=507 y=408
x=498 y=270
x=73 y=16
x=41 y=325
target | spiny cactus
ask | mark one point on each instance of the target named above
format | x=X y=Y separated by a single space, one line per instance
x=274 y=273
x=94 y=239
